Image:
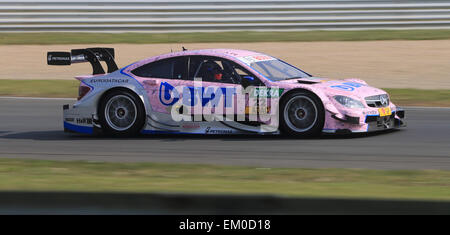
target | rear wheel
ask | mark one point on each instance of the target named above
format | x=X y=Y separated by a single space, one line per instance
x=302 y=114
x=121 y=113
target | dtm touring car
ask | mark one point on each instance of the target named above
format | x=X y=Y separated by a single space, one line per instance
x=218 y=91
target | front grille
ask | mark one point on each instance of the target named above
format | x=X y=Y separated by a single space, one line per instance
x=377 y=101
x=377 y=118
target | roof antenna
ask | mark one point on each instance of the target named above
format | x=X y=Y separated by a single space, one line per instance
x=168 y=39
x=184 y=49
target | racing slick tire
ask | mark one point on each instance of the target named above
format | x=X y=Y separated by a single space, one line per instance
x=301 y=115
x=121 y=113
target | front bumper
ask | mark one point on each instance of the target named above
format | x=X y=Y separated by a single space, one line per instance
x=378 y=123
x=364 y=123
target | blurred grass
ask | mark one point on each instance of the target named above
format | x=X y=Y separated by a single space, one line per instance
x=243 y=36
x=418 y=97
x=69 y=89
x=39 y=175
x=39 y=88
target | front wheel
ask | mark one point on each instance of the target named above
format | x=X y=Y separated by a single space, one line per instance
x=121 y=113
x=302 y=115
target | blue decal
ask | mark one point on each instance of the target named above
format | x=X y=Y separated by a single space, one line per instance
x=209 y=95
x=92 y=88
x=343 y=87
x=79 y=129
x=189 y=96
x=168 y=95
x=228 y=98
x=166 y=89
x=122 y=72
x=214 y=96
x=348 y=86
x=353 y=84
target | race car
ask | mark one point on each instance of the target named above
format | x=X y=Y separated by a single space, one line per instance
x=218 y=91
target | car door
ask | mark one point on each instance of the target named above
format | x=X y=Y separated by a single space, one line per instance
x=203 y=71
x=253 y=103
x=233 y=81
x=160 y=78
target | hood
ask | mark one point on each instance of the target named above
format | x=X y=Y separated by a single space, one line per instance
x=352 y=87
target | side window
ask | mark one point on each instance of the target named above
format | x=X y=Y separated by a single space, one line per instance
x=244 y=76
x=209 y=69
x=214 y=69
x=179 y=68
x=173 y=68
x=194 y=66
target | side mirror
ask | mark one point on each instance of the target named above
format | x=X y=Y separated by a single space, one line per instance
x=247 y=81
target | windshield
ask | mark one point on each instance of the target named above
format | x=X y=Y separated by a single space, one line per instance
x=277 y=70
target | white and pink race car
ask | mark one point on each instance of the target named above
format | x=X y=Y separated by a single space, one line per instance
x=219 y=91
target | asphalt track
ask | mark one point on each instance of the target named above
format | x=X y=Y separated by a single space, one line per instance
x=32 y=128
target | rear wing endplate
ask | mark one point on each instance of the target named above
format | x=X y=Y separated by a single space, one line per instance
x=91 y=55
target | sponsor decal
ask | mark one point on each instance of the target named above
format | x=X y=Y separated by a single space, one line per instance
x=208 y=130
x=371 y=113
x=255 y=58
x=84 y=120
x=257 y=109
x=69 y=119
x=217 y=103
x=231 y=53
x=385 y=111
x=168 y=95
x=109 y=80
x=348 y=86
x=191 y=126
x=50 y=58
x=267 y=92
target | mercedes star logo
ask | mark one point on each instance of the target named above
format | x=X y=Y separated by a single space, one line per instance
x=384 y=100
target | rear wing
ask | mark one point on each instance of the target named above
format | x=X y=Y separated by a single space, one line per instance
x=91 y=55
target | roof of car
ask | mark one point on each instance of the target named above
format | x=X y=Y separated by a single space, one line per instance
x=231 y=52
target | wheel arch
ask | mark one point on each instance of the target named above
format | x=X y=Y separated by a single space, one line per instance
x=126 y=89
x=121 y=88
x=107 y=91
x=283 y=97
x=137 y=97
x=319 y=101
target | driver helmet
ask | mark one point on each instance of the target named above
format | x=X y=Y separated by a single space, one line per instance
x=215 y=70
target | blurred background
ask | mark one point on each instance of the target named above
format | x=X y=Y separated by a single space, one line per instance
x=279 y=28
x=400 y=46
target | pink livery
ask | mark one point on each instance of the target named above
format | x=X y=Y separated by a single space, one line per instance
x=219 y=91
